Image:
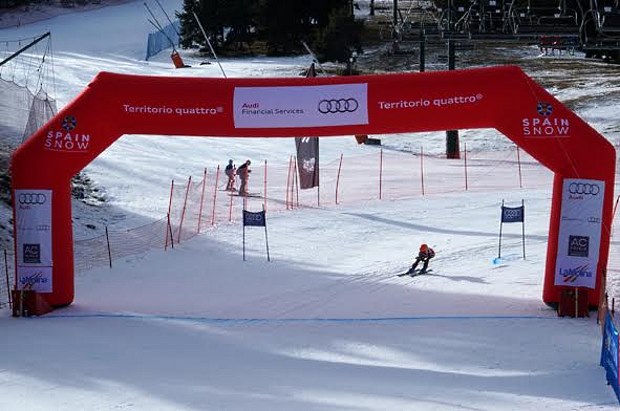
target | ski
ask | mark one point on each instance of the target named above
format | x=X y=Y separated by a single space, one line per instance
x=413 y=274
x=259 y=195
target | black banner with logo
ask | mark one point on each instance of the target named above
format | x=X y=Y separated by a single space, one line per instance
x=513 y=214
x=308 y=161
x=254 y=219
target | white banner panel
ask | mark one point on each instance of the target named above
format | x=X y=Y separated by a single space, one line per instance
x=301 y=106
x=33 y=222
x=38 y=279
x=579 y=236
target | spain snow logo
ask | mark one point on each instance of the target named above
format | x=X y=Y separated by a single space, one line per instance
x=544 y=109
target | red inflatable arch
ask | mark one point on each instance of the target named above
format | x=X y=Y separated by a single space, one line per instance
x=503 y=98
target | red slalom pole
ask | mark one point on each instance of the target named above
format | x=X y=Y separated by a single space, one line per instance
x=202 y=199
x=465 y=158
x=217 y=178
x=189 y=184
x=422 y=168
x=230 y=207
x=169 y=208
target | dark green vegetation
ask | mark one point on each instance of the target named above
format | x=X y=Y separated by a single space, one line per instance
x=273 y=27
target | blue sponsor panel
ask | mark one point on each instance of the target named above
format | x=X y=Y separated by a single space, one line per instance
x=254 y=219
x=609 y=354
x=513 y=214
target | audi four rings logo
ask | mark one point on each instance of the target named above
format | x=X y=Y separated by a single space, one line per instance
x=341 y=105
x=512 y=213
x=32 y=198
x=584 y=188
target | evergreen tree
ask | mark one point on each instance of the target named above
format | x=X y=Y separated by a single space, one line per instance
x=341 y=37
x=208 y=12
x=190 y=34
x=240 y=19
x=281 y=25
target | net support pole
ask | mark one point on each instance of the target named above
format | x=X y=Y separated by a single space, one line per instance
x=217 y=177
x=230 y=208
x=8 y=284
x=338 y=177
x=266 y=237
x=380 y=174
x=523 y=227
x=465 y=163
x=501 y=222
x=189 y=184
x=202 y=200
x=169 y=232
x=288 y=182
x=107 y=239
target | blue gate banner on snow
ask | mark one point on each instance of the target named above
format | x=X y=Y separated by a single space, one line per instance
x=609 y=354
x=163 y=39
x=254 y=219
x=513 y=214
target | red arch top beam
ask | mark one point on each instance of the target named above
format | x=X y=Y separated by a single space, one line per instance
x=112 y=105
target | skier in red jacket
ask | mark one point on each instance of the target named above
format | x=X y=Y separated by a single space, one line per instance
x=425 y=254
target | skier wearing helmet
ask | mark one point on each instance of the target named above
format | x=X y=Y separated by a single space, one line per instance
x=244 y=173
x=230 y=171
x=424 y=255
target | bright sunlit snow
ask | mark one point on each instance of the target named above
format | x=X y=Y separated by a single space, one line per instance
x=325 y=325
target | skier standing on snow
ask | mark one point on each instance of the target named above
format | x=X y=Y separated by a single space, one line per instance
x=424 y=255
x=230 y=171
x=244 y=173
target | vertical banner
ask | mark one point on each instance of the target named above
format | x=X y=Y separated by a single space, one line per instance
x=33 y=222
x=579 y=236
x=308 y=161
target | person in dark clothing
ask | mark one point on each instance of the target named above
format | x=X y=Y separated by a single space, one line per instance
x=424 y=255
x=244 y=174
x=230 y=171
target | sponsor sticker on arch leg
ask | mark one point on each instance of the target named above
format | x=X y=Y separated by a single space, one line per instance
x=33 y=222
x=579 y=236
